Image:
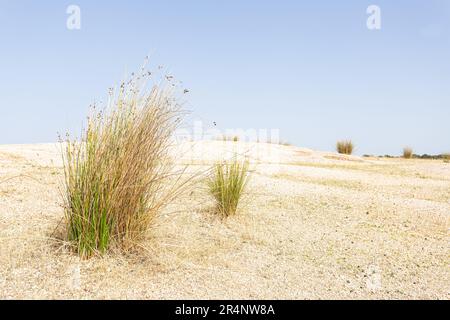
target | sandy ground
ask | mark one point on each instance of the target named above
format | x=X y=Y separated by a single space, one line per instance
x=315 y=225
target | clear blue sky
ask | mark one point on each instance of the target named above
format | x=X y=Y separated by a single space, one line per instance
x=310 y=68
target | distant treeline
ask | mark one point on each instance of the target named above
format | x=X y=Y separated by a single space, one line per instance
x=434 y=157
x=416 y=156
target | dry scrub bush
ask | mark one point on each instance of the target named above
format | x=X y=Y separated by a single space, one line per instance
x=118 y=176
x=345 y=147
x=407 y=153
x=227 y=185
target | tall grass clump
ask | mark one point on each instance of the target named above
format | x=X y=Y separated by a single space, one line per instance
x=116 y=174
x=227 y=184
x=345 y=147
x=407 y=153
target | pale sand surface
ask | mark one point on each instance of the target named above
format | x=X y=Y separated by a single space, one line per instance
x=315 y=225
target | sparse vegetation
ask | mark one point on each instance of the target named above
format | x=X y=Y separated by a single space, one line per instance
x=345 y=147
x=116 y=175
x=446 y=157
x=228 y=138
x=227 y=185
x=407 y=153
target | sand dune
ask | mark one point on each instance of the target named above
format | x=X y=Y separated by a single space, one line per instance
x=315 y=225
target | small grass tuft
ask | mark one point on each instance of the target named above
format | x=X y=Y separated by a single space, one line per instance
x=407 y=153
x=227 y=185
x=228 y=138
x=345 y=147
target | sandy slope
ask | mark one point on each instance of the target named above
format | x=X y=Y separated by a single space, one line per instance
x=315 y=225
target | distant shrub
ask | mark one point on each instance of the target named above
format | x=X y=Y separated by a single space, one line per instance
x=227 y=185
x=345 y=147
x=116 y=175
x=228 y=138
x=407 y=153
